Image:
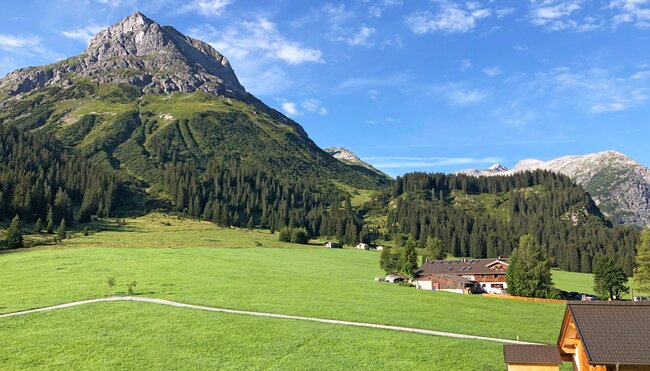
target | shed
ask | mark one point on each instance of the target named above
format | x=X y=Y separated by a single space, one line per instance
x=526 y=357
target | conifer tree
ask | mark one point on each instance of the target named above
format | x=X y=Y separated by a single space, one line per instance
x=529 y=273
x=609 y=279
x=38 y=226
x=14 y=237
x=60 y=232
x=642 y=268
x=409 y=258
x=433 y=249
x=50 y=220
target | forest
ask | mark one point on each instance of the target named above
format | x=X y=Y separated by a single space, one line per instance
x=548 y=206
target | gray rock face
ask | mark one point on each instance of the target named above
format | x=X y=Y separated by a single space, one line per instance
x=348 y=157
x=619 y=185
x=140 y=52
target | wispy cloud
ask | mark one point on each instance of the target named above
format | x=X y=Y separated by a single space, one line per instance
x=27 y=45
x=309 y=105
x=492 y=71
x=206 y=8
x=313 y=105
x=84 y=33
x=363 y=37
x=394 y=162
x=290 y=109
x=449 y=17
x=460 y=95
x=636 y=12
x=259 y=52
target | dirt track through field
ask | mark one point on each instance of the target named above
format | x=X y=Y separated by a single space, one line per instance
x=262 y=314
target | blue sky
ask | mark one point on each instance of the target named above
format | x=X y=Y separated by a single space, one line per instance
x=407 y=85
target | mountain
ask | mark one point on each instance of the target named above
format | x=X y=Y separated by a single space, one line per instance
x=348 y=157
x=142 y=96
x=619 y=185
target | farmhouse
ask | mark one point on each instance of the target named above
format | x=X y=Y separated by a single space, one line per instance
x=463 y=276
x=363 y=246
x=333 y=245
x=595 y=336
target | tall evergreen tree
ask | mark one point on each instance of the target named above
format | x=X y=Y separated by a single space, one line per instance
x=529 y=273
x=433 y=249
x=409 y=258
x=50 y=220
x=38 y=226
x=60 y=232
x=642 y=268
x=14 y=237
x=609 y=279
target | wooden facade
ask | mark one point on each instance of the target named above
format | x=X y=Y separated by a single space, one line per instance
x=531 y=367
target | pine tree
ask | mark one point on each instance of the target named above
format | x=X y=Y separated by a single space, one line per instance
x=609 y=279
x=60 y=232
x=38 y=227
x=14 y=237
x=50 y=221
x=642 y=268
x=409 y=258
x=529 y=273
x=433 y=249
x=251 y=223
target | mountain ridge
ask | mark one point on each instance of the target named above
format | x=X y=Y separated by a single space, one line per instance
x=618 y=184
x=142 y=95
x=348 y=157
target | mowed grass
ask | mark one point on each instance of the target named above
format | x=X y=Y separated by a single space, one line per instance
x=200 y=263
x=579 y=282
x=129 y=336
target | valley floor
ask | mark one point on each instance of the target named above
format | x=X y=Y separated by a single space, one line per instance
x=201 y=264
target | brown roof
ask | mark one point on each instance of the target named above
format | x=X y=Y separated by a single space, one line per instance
x=613 y=332
x=533 y=354
x=460 y=267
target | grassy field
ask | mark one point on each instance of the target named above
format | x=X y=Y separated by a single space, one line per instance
x=129 y=335
x=579 y=282
x=199 y=263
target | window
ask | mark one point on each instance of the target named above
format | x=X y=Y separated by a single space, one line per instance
x=496 y=275
x=497 y=286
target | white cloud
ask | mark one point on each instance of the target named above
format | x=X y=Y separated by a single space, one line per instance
x=28 y=45
x=492 y=71
x=110 y=2
x=290 y=109
x=361 y=37
x=636 y=12
x=313 y=105
x=84 y=33
x=558 y=15
x=392 y=162
x=206 y=7
x=258 y=52
x=460 y=96
x=449 y=18
x=372 y=94
x=503 y=12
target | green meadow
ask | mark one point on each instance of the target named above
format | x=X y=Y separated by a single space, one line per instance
x=200 y=263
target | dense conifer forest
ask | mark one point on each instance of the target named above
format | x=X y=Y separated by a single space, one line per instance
x=550 y=207
x=39 y=180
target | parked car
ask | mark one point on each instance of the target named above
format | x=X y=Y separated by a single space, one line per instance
x=589 y=297
x=641 y=298
x=573 y=295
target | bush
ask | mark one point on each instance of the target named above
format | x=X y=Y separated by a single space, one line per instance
x=130 y=286
x=285 y=234
x=299 y=235
x=110 y=282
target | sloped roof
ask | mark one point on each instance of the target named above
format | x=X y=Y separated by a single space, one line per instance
x=461 y=267
x=613 y=332
x=532 y=354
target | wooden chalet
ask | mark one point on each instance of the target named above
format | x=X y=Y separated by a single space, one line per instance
x=477 y=275
x=595 y=336
x=604 y=336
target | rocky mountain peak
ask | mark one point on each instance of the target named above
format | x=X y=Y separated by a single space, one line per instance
x=140 y=52
x=497 y=168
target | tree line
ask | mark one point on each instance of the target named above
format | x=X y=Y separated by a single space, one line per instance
x=548 y=206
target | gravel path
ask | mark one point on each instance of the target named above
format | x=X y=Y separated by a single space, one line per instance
x=263 y=314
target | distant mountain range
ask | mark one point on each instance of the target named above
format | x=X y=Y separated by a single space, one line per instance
x=348 y=157
x=619 y=185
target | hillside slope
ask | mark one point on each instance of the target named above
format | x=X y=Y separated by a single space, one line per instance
x=144 y=95
x=619 y=185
